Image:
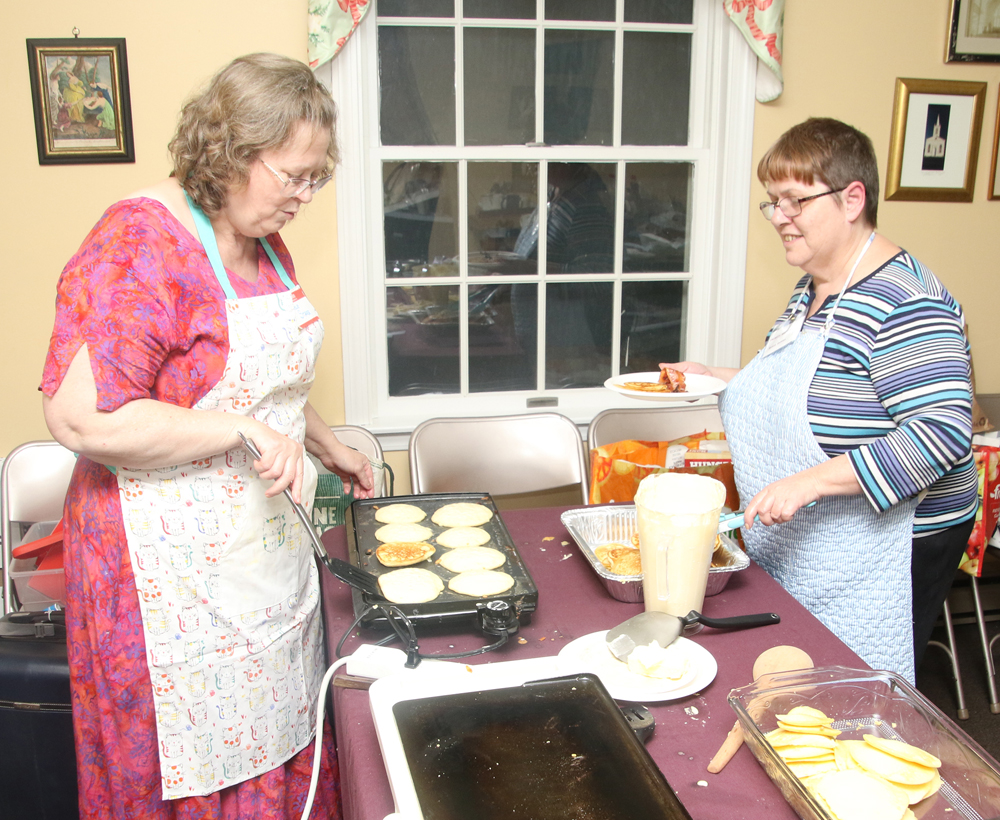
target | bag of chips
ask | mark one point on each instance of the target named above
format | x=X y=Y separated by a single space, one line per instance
x=988 y=465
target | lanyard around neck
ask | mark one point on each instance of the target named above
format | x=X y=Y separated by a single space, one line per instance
x=206 y=234
x=847 y=282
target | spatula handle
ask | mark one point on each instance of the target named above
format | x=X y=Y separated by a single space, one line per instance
x=736 y=622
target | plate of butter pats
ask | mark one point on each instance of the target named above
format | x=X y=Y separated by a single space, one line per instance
x=647 y=386
x=652 y=674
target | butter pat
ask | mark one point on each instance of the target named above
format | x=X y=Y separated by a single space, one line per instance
x=655 y=661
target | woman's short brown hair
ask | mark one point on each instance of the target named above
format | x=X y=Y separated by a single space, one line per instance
x=254 y=104
x=833 y=151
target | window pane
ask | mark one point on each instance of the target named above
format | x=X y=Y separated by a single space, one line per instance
x=578 y=322
x=416 y=8
x=500 y=9
x=417 y=85
x=581 y=229
x=502 y=337
x=652 y=331
x=579 y=94
x=499 y=86
x=658 y=11
x=657 y=198
x=423 y=339
x=503 y=204
x=579 y=9
x=656 y=79
x=420 y=202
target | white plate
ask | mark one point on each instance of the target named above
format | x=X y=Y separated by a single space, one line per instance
x=591 y=654
x=697 y=386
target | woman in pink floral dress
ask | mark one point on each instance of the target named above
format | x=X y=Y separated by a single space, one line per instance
x=192 y=598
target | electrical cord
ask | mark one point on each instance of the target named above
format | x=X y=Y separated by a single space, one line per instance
x=318 y=751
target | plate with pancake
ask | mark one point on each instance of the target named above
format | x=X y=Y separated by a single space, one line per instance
x=647 y=386
x=695 y=669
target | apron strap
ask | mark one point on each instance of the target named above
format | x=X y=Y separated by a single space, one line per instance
x=207 y=236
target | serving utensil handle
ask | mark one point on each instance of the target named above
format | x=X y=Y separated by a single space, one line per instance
x=736 y=622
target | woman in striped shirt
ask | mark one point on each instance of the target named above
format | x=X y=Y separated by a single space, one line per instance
x=860 y=401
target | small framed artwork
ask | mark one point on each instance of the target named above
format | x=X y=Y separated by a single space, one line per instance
x=973 y=32
x=994 y=192
x=934 y=144
x=80 y=94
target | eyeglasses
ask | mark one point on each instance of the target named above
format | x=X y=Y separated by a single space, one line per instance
x=790 y=205
x=294 y=187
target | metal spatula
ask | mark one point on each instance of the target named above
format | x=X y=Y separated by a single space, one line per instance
x=342 y=570
x=646 y=627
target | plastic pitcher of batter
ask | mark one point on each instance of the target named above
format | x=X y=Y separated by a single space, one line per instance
x=678 y=519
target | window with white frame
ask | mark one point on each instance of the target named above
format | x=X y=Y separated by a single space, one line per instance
x=536 y=195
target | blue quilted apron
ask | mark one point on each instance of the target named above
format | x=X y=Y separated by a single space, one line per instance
x=846 y=562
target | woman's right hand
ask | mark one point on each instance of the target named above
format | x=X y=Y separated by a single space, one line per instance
x=282 y=460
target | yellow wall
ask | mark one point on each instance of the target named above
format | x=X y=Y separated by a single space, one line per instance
x=841 y=60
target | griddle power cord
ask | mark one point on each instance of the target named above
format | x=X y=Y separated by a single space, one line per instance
x=409 y=637
x=318 y=753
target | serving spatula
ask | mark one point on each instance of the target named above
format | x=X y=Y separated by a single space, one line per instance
x=646 y=627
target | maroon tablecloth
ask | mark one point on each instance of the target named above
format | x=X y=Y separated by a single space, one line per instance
x=572 y=602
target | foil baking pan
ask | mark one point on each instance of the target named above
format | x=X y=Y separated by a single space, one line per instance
x=593 y=527
x=449 y=607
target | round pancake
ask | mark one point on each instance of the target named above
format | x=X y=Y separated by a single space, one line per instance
x=889 y=766
x=399 y=514
x=465 y=559
x=410 y=585
x=403 y=554
x=462 y=514
x=405 y=533
x=481 y=583
x=857 y=795
x=463 y=537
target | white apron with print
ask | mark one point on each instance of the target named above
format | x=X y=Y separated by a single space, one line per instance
x=228 y=589
x=846 y=562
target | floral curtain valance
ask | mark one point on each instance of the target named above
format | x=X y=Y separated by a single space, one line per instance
x=331 y=23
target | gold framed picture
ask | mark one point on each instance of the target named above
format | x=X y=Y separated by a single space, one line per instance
x=80 y=95
x=994 y=192
x=973 y=32
x=936 y=125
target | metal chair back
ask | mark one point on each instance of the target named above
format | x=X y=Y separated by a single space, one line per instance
x=662 y=423
x=33 y=484
x=501 y=455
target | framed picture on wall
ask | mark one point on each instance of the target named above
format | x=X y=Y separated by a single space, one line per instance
x=973 y=32
x=80 y=95
x=994 y=192
x=934 y=144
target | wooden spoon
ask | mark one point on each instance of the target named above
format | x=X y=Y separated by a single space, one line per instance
x=775 y=659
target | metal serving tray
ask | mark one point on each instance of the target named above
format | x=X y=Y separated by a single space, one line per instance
x=449 y=608
x=867 y=702
x=593 y=527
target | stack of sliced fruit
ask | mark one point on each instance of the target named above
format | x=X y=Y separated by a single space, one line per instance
x=875 y=777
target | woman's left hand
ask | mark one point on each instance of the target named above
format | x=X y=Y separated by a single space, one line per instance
x=350 y=465
x=778 y=502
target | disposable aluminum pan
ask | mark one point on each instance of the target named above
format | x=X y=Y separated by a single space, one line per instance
x=593 y=527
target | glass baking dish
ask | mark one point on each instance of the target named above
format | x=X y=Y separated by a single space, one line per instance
x=869 y=702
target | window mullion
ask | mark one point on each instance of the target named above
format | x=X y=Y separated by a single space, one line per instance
x=463 y=285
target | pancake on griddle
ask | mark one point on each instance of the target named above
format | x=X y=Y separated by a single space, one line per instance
x=463 y=537
x=481 y=583
x=403 y=554
x=410 y=585
x=462 y=514
x=405 y=533
x=464 y=559
x=399 y=514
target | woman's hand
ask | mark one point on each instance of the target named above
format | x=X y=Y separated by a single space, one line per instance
x=338 y=458
x=778 y=502
x=281 y=460
x=698 y=369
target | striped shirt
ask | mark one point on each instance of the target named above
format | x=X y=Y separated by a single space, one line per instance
x=893 y=391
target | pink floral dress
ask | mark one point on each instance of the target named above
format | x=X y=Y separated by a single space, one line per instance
x=141 y=294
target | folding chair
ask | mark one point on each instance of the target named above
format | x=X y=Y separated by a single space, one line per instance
x=501 y=455
x=33 y=485
x=652 y=423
